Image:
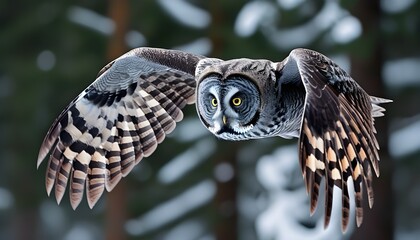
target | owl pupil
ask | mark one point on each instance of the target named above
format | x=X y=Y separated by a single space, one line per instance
x=237 y=101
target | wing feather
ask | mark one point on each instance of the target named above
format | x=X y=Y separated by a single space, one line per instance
x=337 y=134
x=95 y=184
x=119 y=119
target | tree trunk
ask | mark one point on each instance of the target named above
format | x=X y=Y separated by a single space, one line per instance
x=116 y=204
x=226 y=197
x=366 y=69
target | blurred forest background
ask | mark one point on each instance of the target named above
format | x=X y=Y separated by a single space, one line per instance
x=195 y=186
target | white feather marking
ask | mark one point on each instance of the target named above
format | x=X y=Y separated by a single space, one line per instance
x=241 y=129
x=151 y=102
x=311 y=162
x=69 y=154
x=84 y=158
x=335 y=174
x=73 y=131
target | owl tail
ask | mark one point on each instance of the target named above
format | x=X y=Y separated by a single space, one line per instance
x=378 y=111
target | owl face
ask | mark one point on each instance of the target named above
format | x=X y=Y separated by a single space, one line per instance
x=228 y=107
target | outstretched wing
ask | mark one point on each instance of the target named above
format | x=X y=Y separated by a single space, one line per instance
x=337 y=134
x=119 y=119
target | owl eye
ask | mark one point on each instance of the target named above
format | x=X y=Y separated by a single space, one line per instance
x=237 y=101
x=214 y=102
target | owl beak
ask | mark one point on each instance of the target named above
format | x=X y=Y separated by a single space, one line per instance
x=221 y=125
x=224 y=120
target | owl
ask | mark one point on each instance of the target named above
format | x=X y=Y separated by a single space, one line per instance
x=137 y=99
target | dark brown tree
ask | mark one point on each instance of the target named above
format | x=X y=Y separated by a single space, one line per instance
x=367 y=63
x=116 y=202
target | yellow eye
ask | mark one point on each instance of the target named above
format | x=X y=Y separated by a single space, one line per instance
x=214 y=102
x=237 y=101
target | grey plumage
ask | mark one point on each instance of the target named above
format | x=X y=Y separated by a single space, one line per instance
x=138 y=98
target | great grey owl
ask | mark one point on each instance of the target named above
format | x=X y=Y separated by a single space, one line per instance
x=138 y=98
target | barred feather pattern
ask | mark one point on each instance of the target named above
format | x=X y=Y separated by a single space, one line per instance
x=337 y=138
x=114 y=123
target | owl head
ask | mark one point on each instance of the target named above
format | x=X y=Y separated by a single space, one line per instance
x=229 y=94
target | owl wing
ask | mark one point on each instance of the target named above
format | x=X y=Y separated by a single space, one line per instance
x=119 y=119
x=337 y=134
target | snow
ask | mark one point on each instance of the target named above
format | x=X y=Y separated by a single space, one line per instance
x=224 y=172
x=202 y=46
x=252 y=15
x=186 y=13
x=7 y=199
x=192 y=198
x=91 y=20
x=189 y=129
x=401 y=73
x=186 y=161
x=82 y=231
x=290 y=4
x=346 y=30
x=190 y=229
x=288 y=203
x=53 y=216
x=262 y=15
x=393 y=6
x=46 y=60
x=135 y=39
x=306 y=33
x=405 y=141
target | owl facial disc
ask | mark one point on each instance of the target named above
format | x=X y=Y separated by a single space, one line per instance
x=228 y=108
